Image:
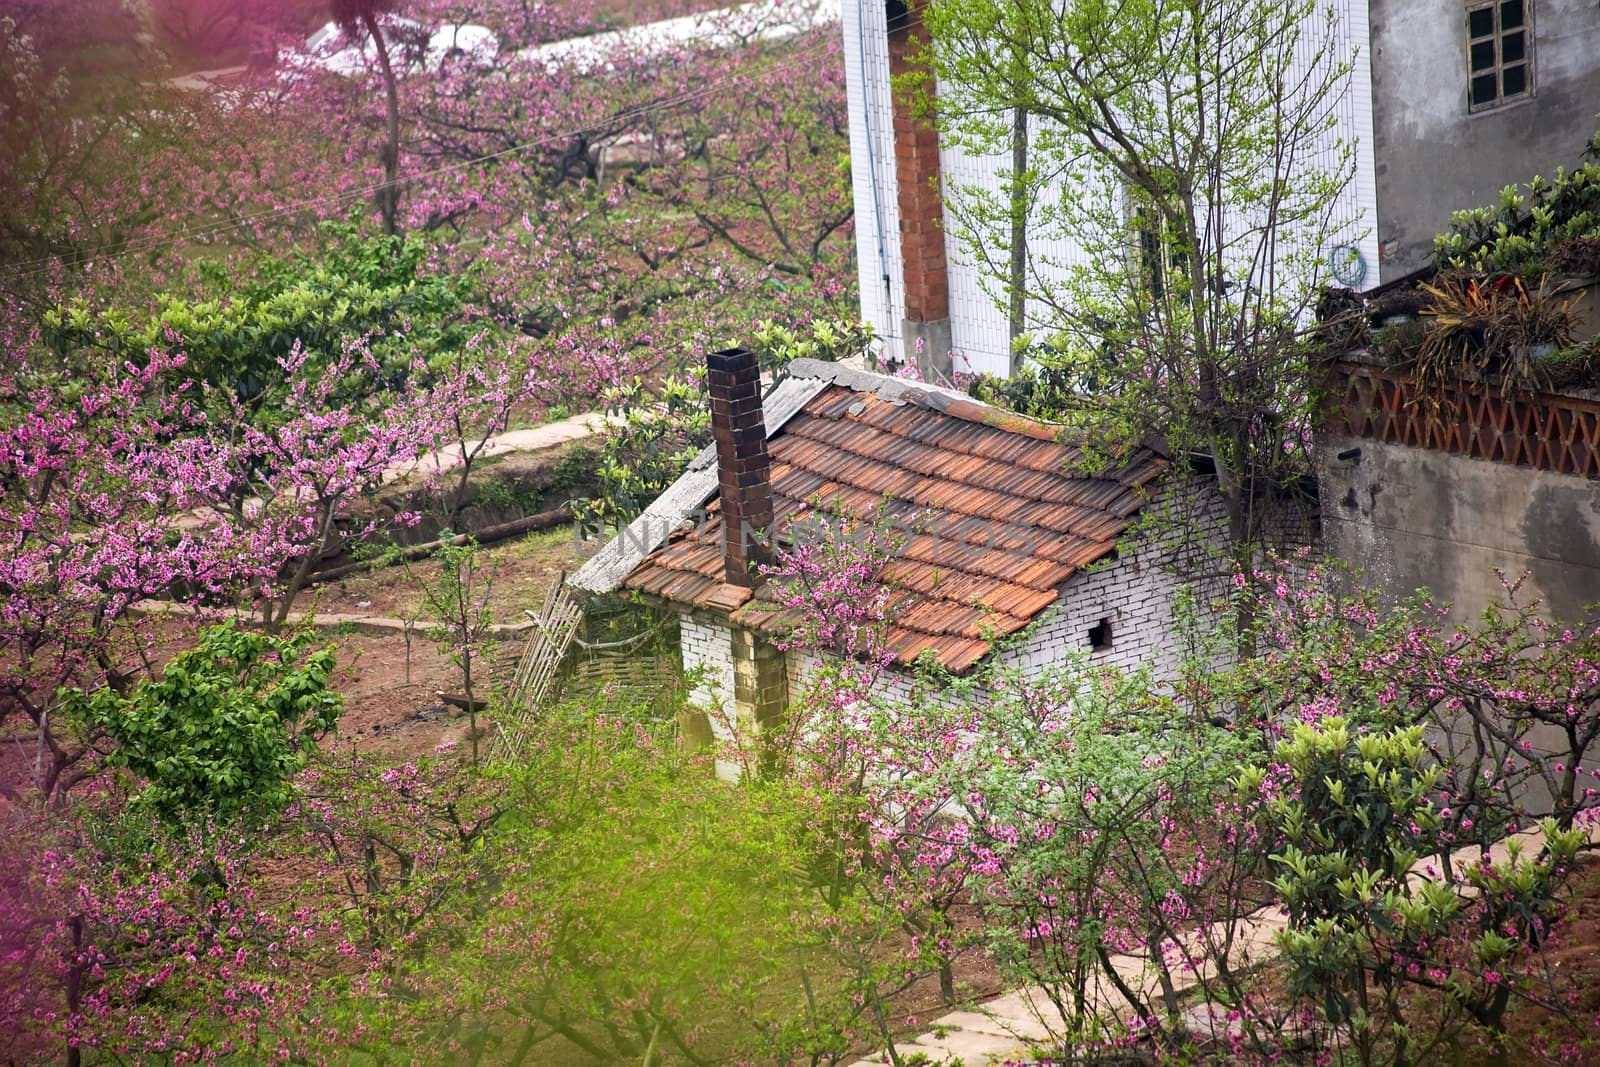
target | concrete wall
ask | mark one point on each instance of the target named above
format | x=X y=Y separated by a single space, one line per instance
x=1411 y=517
x=1432 y=155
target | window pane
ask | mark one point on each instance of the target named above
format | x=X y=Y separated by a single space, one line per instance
x=1510 y=14
x=1483 y=89
x=1512 y=48
x=1480 y=23
x=1482 y=56
x=1516 y=80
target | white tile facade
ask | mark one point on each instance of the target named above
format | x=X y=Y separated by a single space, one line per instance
x=979 y=326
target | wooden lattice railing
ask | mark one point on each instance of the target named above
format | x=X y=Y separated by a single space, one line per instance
x=1545 y=431
x=538 y=671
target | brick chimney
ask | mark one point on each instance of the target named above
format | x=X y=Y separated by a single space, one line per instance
x=744 y=470
x=918 y=190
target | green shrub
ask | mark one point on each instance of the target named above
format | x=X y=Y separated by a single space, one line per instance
x=641 y=910
x=225 y=728
x=1397 y=964
x=1519 y=233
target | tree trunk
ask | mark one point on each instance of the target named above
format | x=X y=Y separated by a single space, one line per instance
x=1019 y=232
x=389 y=191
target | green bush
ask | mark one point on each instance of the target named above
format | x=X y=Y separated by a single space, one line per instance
x=353 y=286
x=1519 y=233
x=1398 y=965
x=658 y=437
x=226 y=727
x=641 y=911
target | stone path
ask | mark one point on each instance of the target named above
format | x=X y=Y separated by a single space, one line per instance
x=1008 y=1028
x=534 y=439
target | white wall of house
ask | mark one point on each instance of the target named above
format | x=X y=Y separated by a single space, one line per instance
x=979 y=324
x=708 y=649
x=872 y=171
x=1131 y=602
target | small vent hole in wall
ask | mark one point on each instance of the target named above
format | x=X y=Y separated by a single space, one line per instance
x=1100 y=636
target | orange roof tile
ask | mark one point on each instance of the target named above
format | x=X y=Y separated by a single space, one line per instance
x=997 y=510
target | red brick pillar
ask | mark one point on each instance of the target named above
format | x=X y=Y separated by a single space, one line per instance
x=744 y=470
x=920 y=197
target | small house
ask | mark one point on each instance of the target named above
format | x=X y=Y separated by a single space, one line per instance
x=1015 y=543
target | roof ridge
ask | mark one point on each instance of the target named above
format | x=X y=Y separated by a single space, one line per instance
x=952 y=402
x=938 y=398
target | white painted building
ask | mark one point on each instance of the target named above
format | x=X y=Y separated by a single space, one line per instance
x=1448 y=101
x=978 y=331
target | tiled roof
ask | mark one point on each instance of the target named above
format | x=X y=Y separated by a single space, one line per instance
x=999 y=509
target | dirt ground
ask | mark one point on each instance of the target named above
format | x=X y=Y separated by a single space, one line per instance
x=390 y=686
x=518 y=575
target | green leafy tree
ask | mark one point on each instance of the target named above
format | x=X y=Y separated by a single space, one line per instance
x=225 y=728
x=1187 y=152
x=644 y=453
x=1369 y=942
x=351 y=286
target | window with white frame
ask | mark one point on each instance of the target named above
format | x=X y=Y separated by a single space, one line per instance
x=1499 y=53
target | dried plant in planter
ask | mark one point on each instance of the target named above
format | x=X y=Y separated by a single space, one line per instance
x=1396 y=345
x=1341 y=323
x=1396 y=304
x=1493 y=327
x=1575 y=256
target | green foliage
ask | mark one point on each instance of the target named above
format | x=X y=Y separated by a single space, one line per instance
x=459 y=599
x=1573 y=367
x=1039 y=391
x=829 y=340
x=640 y=904
x=659 y=435
x=1520 y=232
x=225 y=728
x=1365 y=934
x=1175 y=315
x=1358 y=821
x=355 y=286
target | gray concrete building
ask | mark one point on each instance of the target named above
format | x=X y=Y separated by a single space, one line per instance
x=1468 y=97
x=1458 y=491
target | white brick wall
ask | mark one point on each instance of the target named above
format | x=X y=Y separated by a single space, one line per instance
x=708 y=647
x=1179 y=545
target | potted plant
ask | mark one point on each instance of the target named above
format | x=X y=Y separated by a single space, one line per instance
x=1492 y=326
